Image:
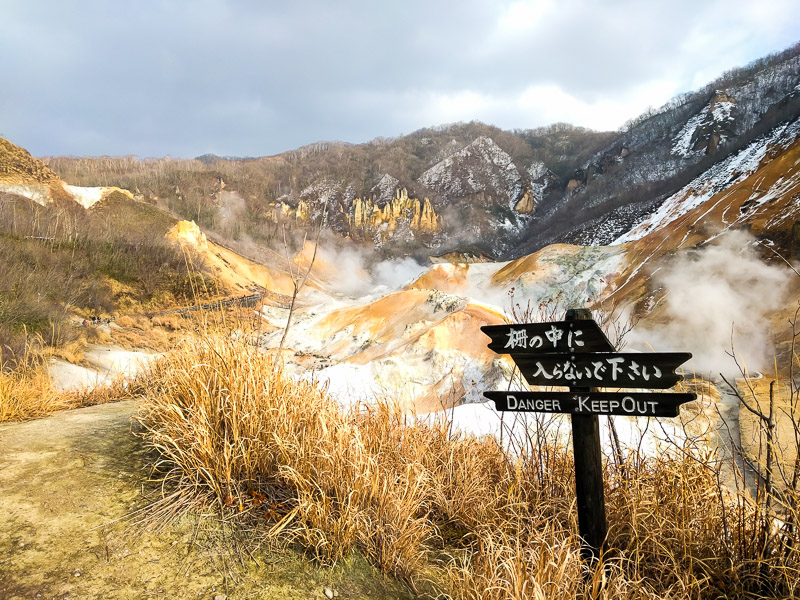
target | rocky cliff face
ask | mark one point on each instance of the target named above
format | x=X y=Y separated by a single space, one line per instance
x=474 y=191
x=481 y=166
x=370 y=219
x=704 y=132
x=390 y=215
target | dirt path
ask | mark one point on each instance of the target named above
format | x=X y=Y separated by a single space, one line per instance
x=67 y=481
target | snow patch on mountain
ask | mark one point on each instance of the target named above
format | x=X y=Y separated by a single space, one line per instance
x=715 y=113
x=478 y=167
x=324 y=189
x=42 y=194
x=732 y=170
x=385 y=188
x=537 y=169
x=540 y=177
x=722 y=111
x=86 y=196
x=683 y=141
x=38 y=192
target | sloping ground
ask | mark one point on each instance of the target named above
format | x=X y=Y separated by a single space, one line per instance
x=67 y=483
x=100 y=365
x=23 y=175
x=422 y=345
x=18 y=166
x=235 y=271
x=407 y=345
x=757 y=189
x=580 y=274
x=429 y=365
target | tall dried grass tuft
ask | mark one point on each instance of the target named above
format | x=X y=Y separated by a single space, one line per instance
x=27 y=392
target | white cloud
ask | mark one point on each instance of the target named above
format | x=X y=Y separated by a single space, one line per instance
x=293 y=73
x=460 y=105
x=543 y=104
x=524 y=18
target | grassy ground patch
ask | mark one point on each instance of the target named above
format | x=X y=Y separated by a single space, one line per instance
x=28 y=393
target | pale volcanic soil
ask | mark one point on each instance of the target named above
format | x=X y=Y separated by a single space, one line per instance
x=70 y=486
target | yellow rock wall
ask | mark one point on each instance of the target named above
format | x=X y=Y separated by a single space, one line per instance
x=368 y=216
x=526 y=204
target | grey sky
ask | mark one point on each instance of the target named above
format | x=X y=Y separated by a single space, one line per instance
x=253 y=78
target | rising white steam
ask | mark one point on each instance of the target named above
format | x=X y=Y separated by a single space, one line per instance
x=350 y=270
x=712 y=293
x=397 y=272
x=344 y=269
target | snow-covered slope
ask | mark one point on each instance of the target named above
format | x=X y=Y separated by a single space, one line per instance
x=720 y=177
x=481 y=166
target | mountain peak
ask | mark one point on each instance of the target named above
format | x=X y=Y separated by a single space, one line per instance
x=479 y=167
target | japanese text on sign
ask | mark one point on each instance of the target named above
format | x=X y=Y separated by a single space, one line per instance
x=518 y=338
x=637 y=370
x=612 y=370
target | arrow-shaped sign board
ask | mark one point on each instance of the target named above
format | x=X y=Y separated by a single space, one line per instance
x=575 y=353
x=543 y=338
x=608 y=370
x=645 y=404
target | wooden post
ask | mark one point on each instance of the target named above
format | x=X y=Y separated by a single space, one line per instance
x=575 y=350
x=592 y=525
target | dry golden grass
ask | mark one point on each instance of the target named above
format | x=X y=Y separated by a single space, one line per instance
x=172 y=322
x=27 y=392
x=448 y=514
x=71 y=351
x=18 y=166
x=161 y=332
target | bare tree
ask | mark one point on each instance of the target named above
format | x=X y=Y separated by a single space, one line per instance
x=299 y=279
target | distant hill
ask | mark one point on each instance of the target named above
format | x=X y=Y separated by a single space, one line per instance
x=70 y=252
x=18 y=166
x=473 y=185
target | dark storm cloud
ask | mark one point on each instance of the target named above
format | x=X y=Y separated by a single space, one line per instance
x=254 y=78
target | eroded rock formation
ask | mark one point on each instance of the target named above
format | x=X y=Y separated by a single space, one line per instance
x=367 y=215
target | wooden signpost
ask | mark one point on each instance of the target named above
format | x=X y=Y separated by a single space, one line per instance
x=576 y=353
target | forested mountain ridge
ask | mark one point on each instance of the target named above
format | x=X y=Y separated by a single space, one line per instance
x=469 y=185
